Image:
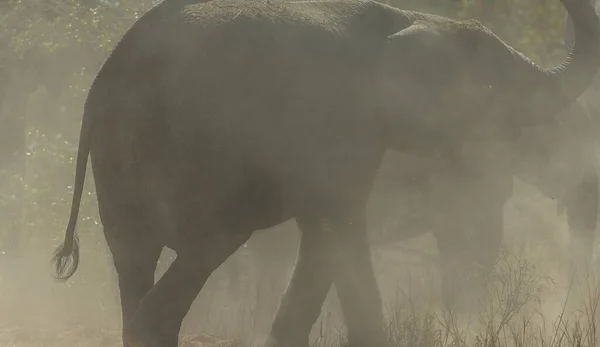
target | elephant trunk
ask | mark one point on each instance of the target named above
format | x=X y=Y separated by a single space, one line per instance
x=574 y=75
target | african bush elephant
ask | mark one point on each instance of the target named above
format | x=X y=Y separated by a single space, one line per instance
x=211 y=120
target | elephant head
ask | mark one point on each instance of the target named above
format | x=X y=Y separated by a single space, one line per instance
x=590 y=99
x=460 y=77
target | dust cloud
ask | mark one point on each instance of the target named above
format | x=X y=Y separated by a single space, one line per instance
x=241 y=309
x=239 y=301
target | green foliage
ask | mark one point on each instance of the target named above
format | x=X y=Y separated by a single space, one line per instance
x=49 y=25
x=49 y=53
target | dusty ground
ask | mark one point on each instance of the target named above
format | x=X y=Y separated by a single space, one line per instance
x=87 y=337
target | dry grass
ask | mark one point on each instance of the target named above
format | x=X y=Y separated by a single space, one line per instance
x=508 y=315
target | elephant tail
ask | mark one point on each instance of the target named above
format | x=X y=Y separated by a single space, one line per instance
x=66 y=256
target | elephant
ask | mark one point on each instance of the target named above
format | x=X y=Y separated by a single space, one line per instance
x=209 y=121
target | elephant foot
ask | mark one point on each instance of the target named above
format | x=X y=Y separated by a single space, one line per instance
x=138 y=333
x=368 y=339
x=274 y=342
x=147 y=340
x=373 y=344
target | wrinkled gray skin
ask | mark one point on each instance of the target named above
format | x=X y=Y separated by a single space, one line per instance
x=213 y=120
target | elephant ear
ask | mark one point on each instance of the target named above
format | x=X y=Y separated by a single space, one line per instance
x=422 y=36
x=440 y=39
x=425 y=48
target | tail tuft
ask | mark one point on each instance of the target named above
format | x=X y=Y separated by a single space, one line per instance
x=66 y=259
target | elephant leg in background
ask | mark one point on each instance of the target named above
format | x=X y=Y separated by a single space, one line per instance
x=356 y=284
x=331 y=249
x=452 y=249
x=581 y=206
x=468 y=248
x=487 y=238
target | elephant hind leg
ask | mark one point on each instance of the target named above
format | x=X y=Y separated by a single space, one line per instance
x=135 y=263
x=135 y=251
x=158 y=318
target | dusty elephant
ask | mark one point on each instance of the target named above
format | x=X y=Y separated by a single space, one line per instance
x=212 y=120
x=465 y=211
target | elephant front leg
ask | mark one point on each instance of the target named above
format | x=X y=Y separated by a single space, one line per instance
x=158 y=318
x=356 y=284
x=331 y=249
x=468 y=251
x=312 y=278
x=454 y=269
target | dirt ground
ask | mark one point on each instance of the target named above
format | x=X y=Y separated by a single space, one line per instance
x=87 y=337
